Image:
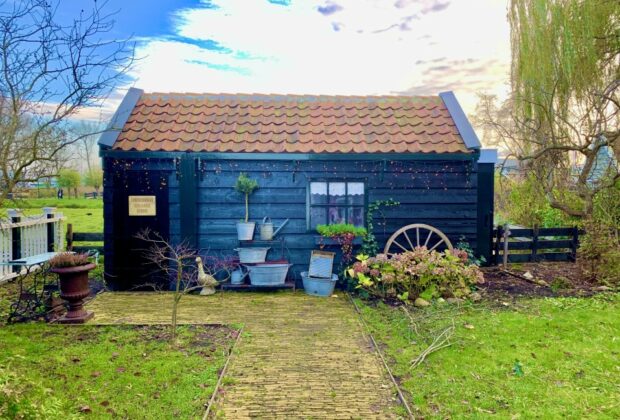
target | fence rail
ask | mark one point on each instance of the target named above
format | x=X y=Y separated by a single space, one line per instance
x=24 y=236
x=73 y=237
x=532 y=245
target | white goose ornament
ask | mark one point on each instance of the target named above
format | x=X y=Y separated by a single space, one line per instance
x=207 y=281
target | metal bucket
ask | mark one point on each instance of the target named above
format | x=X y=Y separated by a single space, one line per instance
x=266 y=230
x=318 y=286
x=252 y=255
x=245 y=231
x=268 y=274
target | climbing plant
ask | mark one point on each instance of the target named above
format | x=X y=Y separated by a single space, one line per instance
x=370 y=246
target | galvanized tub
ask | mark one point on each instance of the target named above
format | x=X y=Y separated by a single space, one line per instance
x=268 y=274
x=317 y=286
x=252 y=255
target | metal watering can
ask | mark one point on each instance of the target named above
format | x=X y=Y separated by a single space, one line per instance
x=266 y=229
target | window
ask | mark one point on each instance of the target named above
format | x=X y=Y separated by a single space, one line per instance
x=336 y=202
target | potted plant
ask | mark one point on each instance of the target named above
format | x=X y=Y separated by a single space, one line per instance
x=72 y=270
x=246 y=186
x=343 y=234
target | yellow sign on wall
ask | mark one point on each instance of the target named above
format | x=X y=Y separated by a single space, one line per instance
x=142 y=205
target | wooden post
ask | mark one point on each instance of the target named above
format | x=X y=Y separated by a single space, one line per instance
x=51 y=234
x=535 y=245
x=498 y=240
x=574 y=244
x=16 y=233
x=506 y=235
x=69 y=236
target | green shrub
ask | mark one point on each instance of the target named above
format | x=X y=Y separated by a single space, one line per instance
x=417 y=273
x=600 y=249
x=600 y=246
x=523 y=202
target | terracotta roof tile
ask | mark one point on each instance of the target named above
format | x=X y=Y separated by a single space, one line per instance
x=290 y=124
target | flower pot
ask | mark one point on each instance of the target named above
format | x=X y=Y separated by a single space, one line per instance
x=245 y=230
x=74 y=288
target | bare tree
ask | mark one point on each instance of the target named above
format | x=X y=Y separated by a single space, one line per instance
x=86 y=147
x=177 y=262
x=49 y=71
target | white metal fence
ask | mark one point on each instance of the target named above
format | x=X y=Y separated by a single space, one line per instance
x=27 y=235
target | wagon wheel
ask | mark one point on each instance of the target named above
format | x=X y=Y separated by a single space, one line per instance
x=416 y=235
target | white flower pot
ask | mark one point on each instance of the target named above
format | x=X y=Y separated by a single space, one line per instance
x=245 y=230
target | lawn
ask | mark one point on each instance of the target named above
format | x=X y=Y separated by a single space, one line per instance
x=86 y=215
x=49 y=371
x=538 y=358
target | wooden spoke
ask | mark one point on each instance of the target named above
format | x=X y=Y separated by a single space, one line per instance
x=411 y=247
x=436 y=245
x=400 y=246
x=430 y=233
x=420 y=230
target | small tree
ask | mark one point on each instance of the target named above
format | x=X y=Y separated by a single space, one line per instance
x=176 y=261
x=69 y=179
x=94 y=179
x=246 y=186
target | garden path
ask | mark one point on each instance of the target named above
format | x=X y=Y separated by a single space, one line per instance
x=299 y=356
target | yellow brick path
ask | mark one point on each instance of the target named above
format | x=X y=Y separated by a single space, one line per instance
x=299 y=357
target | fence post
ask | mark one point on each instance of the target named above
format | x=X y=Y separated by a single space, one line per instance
x=535 y=244
x=69 y=237
x=51 y=243
x=574 y=244
x=16 y=234
x=506 y=234
x=496 y=245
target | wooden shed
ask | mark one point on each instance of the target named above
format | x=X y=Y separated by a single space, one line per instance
x=171 y=160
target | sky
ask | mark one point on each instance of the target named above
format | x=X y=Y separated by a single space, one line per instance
x=358 y=47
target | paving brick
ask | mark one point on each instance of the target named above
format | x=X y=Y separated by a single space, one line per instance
x=299 y=356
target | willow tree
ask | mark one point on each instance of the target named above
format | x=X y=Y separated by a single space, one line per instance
x=565 y=104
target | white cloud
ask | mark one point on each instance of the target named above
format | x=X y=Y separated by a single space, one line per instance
x=379 y=47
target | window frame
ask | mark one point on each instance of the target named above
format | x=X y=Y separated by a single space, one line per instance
x=309 y=205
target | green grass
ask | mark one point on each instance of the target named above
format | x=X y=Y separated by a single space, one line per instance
x=58 y=372
x=84 y=220
x=85 y=215
x=568 y=350
x=38 y=203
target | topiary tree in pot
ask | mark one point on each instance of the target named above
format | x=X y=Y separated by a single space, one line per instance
x=246 y=186
x=72 y=270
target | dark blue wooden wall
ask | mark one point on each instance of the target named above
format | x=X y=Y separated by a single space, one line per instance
x=439 y=193
x=436 y=192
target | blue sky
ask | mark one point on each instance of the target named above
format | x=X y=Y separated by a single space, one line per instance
x=362 y=47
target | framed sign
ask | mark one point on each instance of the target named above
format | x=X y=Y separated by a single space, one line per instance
x=142 y=205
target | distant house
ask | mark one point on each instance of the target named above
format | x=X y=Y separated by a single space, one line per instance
x=510 y=167
x=317 y=159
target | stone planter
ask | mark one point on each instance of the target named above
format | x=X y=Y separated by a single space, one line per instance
x=74 y=288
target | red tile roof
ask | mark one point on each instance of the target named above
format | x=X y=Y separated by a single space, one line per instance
x=290 y=123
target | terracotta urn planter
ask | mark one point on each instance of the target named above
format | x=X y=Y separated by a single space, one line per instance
x=74 y=288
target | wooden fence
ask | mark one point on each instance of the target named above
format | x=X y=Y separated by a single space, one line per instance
x=24 y=236
x=516 y=245
x=81 y=237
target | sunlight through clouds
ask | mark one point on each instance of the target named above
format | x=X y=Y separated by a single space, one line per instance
x=360 y=47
